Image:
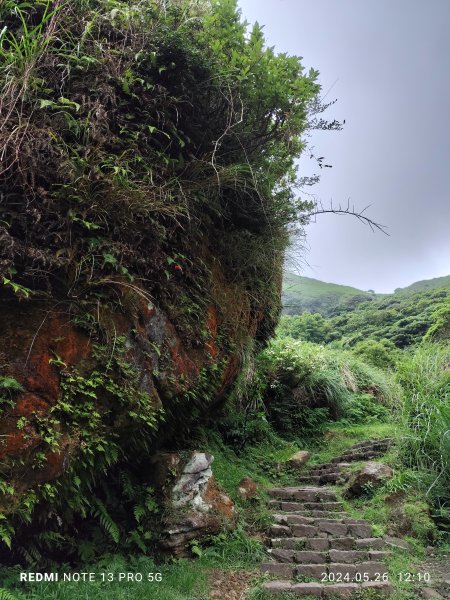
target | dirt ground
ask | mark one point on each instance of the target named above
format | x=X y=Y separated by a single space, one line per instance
x=228 y=585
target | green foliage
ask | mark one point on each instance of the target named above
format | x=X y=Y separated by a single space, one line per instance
x=9 y=387
x=425 y=284
x=440 y=327
x=198 y=122
x=402 y=318
x=178 y=580
x=365 y=408
x=306 y=327
x=382 y=354
x=425 y=379
x=308 y=385
x=93 y=491
x=5 y=595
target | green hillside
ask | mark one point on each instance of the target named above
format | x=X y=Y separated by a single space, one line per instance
x=304 y=294
x=402 y=318
x=425 y=284
x=352 y=315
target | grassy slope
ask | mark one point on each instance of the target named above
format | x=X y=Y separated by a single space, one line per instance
x=307 y=294
x=426 y=284
x=316 y=296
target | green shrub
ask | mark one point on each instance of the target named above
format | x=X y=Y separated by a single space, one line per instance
x=308 y=385
x=364 y=408
x=382 y=354
x=425 y=377
x=307 y=327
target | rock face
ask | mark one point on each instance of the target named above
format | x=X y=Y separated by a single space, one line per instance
x=299 y=459
x=372 y=474
x=194 y=503
x=45 y=351
x=247 y=488
x=142 y=382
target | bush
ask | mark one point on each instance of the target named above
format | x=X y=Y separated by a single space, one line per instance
x=307 y=327
x=425 y=377
x=308 y=385
x=382 y=354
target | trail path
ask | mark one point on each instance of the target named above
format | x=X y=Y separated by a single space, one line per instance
x=316 y=548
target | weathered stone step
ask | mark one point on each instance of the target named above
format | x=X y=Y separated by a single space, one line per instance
x=291 y=518
x=328 y=468
x=322 y=529
x=357 y=456
x=364 y=571
x=371 y=542
x=306 y=506
x=383 y=441
x=284 y=555
x=303 y=494
x=327 y=543
x=322 y=479
x=319 y=590
x=326 y=514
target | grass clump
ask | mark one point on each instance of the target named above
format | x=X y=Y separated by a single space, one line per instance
x=309 y=385
x=425 y=378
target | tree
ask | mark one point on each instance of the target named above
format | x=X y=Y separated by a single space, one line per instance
x=309 y=327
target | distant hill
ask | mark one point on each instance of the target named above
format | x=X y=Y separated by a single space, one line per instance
x=425 y=284
x=403 y=317
x=304 y=294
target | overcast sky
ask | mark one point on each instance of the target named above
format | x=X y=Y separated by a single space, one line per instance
x=388 y=64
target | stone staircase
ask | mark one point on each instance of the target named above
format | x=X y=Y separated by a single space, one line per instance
x=315 y=548
x=334 y=471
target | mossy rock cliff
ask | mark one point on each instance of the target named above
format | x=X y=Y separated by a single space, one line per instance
x=146 y=178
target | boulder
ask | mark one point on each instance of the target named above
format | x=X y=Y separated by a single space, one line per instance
x=195 y=504
x=298 y=459
x=371 y=474
x=247 y=488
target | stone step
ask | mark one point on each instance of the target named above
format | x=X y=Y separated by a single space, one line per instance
x=383 y=441
x=364 y=571
x=326 y=514
x=373 y=543
x=326 y=543
x=303 y=494
x=329 y=466
x=322 y=479
x=306 y=506
x=284 y=555
x=320 y=590
x=322 y=528
x=330 y=478
x=290 y=518
x=357 y=456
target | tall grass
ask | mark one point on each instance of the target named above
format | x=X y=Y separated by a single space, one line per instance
x=425 y=377
x=308 y=385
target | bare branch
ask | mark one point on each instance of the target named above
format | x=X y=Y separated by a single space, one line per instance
x=320 y=209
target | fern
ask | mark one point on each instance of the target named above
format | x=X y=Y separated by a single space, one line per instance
x=139 y=511
x=6 y=532
x=9 y=383
x=106 y=521
x=5 y=595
